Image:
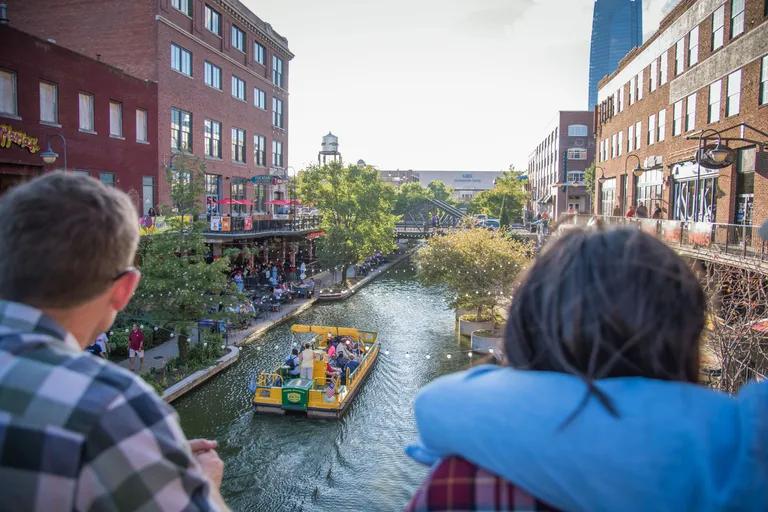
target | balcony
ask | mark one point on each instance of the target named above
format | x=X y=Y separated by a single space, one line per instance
x=734 y=244
x=230 y=227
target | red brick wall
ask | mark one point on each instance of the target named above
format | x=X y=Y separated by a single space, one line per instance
x=34 y=60
x=677 y=148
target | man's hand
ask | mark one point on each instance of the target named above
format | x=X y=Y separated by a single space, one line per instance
x=202 y=445
x=212 y=465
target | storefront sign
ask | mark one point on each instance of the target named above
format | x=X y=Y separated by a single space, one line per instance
x=248 y=223
x=10 y=136
x=226 y=224
x=215 y=223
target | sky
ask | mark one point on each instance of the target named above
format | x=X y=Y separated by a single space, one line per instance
x=434 y=84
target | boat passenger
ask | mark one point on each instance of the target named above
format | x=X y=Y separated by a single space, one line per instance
x=307 y=359
x=351 y=365
x=331 y=350
x=610 y=351
x=292 y=362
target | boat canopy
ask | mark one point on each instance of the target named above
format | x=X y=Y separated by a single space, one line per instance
x=335 y=331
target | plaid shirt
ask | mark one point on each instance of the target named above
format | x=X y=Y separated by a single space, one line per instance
x=78 y=433
x=458 y=485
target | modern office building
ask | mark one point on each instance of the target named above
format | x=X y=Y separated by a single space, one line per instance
x=701 y=78
x=556 y=165
x=465 y=184
x=617 y=27
x=60 y=110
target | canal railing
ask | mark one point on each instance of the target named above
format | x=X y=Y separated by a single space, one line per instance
x=736 y=244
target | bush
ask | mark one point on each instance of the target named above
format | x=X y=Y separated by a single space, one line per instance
x=201 y=355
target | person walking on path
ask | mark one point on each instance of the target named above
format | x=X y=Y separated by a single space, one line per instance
x=642 y=211
x=136 y=347
x=631 y=212
x=78 y=432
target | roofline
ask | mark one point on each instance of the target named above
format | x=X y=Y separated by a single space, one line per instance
x=239 y=10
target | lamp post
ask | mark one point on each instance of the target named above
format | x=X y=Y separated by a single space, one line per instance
x=599 y=190
x=49 y=156
x=637 y=171
x=716 y=157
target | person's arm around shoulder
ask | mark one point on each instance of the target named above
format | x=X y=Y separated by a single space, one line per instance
x=137 y=457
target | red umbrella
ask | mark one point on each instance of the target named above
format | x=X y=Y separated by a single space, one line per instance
x=284 y=202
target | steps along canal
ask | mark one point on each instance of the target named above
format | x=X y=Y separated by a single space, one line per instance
x=287 y=463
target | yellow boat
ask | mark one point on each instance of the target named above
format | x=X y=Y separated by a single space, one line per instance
x=322 y=396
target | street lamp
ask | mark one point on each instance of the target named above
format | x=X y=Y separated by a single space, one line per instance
x=49 y=156
x=637 y=171
x=713 y=156
x=602 y=177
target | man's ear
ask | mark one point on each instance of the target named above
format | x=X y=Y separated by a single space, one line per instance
x=123 y=289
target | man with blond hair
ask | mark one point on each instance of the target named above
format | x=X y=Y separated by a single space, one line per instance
x=77 y=432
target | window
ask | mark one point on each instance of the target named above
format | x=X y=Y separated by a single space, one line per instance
x=578 y=130
x=632 y=87
x=212 y=186
x=184 y=6
x=148 y=193
x=607 y=196
x=677 y=119
x=238 y=145
x=212 y=75
x=181 y=130
x=737 y=18
x=260 y=197
x=107 y=178
x=693 y=46
x=648 y=189
x=679 y=57
x=734 y=94
x=577 y=154
x=764 y=79
x=238 y=38
x=237 y=193
x=238 y=88
x=690 y=113
x=115 y=119
x=277 y=71
x=258 y=53
x=85 y=106
x=660 y=134
x=181 y=60
x=718 y=27
x=663 y=68
x=638 y=134
x=621 y=99
x=277 y=153
x=575 y=176
x=277 y=112
x=8 y=103
x=651 y=129
x=49 y=103
x=620 y=143
x=141 y=126
x=715 y=95
x=640 y=86
x=259 y=150
x=614 y=138
x=213 y=20
x=631 y=138
x=654 y=79
x=212 y=138
x=259 y=98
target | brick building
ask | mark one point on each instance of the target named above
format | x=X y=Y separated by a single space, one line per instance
x=702 y=75
x=568 y=147
x=222 y=76
x=100 y=121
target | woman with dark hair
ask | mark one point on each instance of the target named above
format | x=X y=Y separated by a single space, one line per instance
x=597 y=406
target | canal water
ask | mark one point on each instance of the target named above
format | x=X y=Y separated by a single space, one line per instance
x=289 y=463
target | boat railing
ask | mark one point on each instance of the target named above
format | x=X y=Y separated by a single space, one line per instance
x=269 y=379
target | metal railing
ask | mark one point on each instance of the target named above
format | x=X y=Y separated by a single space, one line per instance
x=298 y=224
x=741 y=240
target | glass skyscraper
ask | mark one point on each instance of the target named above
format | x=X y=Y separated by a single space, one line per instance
x=617 y=27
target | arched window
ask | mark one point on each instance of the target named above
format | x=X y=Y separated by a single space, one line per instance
x=577 y=130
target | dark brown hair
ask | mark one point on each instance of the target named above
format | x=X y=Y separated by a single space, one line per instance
x=607 y=303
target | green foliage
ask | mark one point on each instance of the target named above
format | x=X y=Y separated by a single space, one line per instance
x=178 y=287
x=408 y=197
x=477 y=265
x=589 y=180
x=356 y=210
x=440 y=191
x=201 y=355
x=504 y=201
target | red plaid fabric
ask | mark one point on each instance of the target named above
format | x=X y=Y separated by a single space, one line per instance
x=458 y=485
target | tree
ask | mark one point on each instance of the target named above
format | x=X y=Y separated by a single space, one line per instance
x=589 y=180
x=408 y=197
x=178 y=286
x=440 y=191
x=477 y=265
x=505 y=200
x=356 y=210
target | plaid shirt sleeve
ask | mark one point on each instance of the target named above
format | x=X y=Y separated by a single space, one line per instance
x=458 y=485
x=136 y=457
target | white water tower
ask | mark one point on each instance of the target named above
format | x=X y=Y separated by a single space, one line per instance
x=329 y=149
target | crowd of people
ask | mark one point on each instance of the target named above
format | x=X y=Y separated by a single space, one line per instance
x=640 y=212
x=341 y=353
x=370 y=263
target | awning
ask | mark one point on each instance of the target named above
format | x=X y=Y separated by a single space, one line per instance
x=315 y=234
x=546 y=199
x=227 y=201
x=284 y=202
